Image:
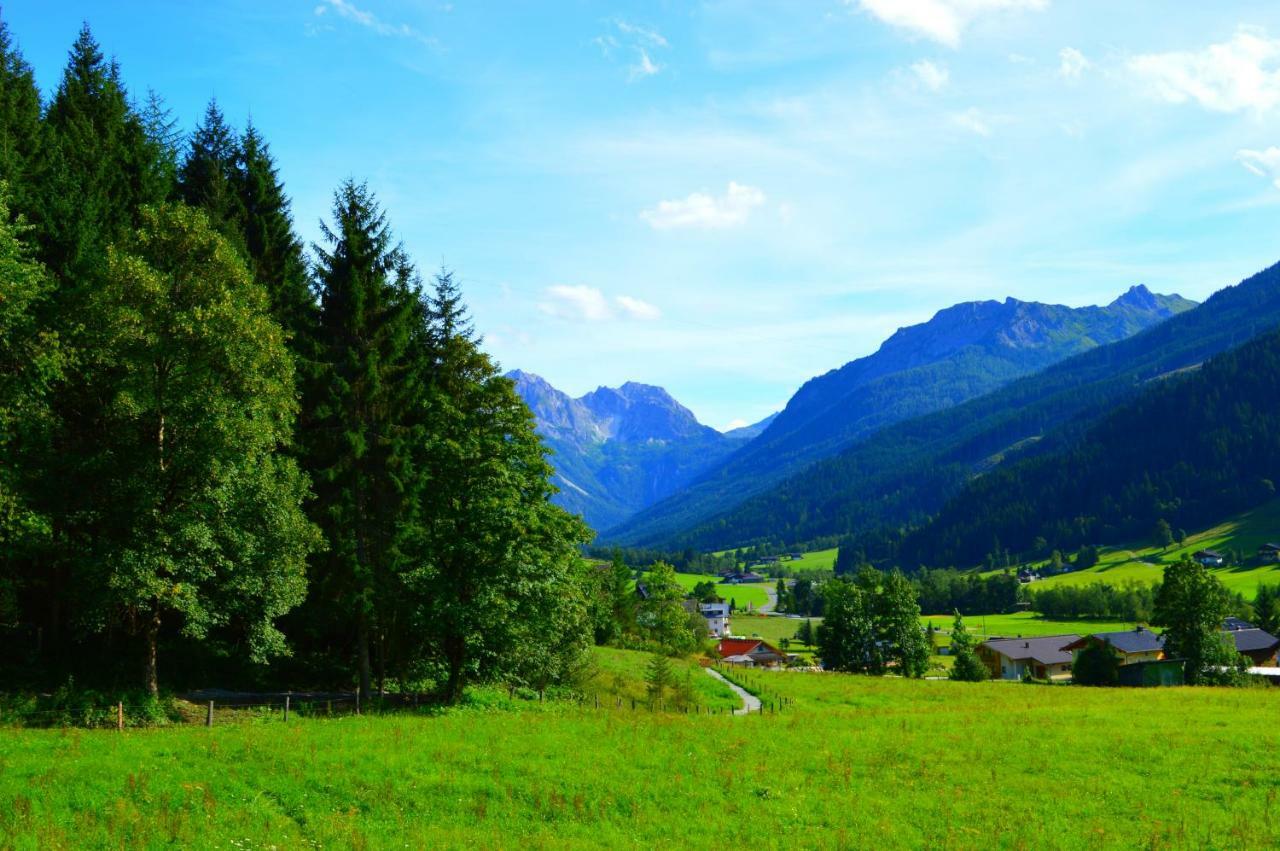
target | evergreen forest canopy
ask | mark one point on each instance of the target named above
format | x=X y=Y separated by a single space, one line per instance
x=218 y=453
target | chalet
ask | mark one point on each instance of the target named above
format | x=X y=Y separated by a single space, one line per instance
x=1269 y=552
x=1131 y=646
x=747 y=576
x=795 y=556
x=1257 y=644
x=1209 y=558
x=1013 y=658
x=749 y=652
x=717 y=615
x=1141 y=656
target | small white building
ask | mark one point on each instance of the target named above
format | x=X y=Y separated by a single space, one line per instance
x=717 y=615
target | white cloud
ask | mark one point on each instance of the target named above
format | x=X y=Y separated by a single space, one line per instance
x=940 y=20
x=700 y=210
x=932 y=76
x=1236 y=75
x=351 y=12
x=637 y=40
x=636 y=308
x=643 y=67
x=973 y=121
x=1073 y=63
x=588 y=304
x=1262 y=163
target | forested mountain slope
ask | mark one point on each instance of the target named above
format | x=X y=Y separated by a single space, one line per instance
x=1190 y=451
x=963 y=352
x=907 y=471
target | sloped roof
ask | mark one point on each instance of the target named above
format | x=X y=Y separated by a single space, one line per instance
x=1137 y=640
x=1253 y=639
x=1047 y=650
x=745 y=646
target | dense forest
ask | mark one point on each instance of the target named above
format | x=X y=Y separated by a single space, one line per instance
x=905 y=473
x=225 y=458
x=1188 y=452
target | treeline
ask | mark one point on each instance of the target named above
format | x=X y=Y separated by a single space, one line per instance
x=217 y=452
x=1188 y=452
x=947 y=590
x=1129 y=601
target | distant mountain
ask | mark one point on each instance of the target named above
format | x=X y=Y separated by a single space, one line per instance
x=905 y=473
x=961 y=353
x=617 y=450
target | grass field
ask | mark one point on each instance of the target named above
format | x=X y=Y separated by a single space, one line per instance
x=817 y=560
x=772 y=629
x=856 y=762
x=1020 y=624
x=1146 y=564
x=752 y=594
x=621 y=674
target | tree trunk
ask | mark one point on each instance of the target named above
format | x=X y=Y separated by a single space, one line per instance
x=455 y=655
x=362 y=648
x=151 y=680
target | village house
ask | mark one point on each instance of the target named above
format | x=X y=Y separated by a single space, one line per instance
x=750 y=653
x=1257 y=644
x=1209 y=558
x=1042 y=658
x=1269 y=552
x=717 y=615
x=1140 y=653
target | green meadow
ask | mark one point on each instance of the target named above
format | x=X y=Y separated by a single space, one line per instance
x=752 y=594
x=772 y=628
x=1020 y=625
x=855 y=762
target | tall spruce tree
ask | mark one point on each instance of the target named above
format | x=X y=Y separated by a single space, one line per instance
x=20 y=129
x=98 y=169
x=208 y=175
x=272 y=249
x=205 y=519
x=364 y=412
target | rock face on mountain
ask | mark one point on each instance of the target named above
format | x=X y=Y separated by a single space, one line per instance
x=963 y=352
x=617 y=450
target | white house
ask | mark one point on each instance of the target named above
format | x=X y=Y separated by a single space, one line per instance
x=717 y=615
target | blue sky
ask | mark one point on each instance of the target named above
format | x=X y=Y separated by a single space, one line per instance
x=727 y=198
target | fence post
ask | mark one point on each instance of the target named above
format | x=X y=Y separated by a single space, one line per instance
x=597 y=700
x=633 y=704
x=286 y=707
x=357 y=700
x=208 y=719
x=120 y=716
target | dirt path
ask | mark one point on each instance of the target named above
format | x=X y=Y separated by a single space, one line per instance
x=750 y=703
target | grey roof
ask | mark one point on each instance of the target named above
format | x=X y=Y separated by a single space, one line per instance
x=1047 y=650
x=1140 y=640
x=1253 y=639
x=1236 y=623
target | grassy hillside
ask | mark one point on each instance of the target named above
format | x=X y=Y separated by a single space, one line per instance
x=856 y=762
x=1019 y=625
x=1244 y=533
x=621 y=674
x=752 y=594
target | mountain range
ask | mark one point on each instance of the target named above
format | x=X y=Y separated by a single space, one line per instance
x=617 y=450
x=962 y=353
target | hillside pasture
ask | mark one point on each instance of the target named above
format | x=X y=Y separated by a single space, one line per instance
x=751 y=594
x=1019 y=625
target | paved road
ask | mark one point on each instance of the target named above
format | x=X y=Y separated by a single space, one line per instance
x=750 y=703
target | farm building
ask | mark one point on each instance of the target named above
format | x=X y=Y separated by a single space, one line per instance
x=1162 y=672
x=751 y=652
x=1209 y=558
x=1014 y=658
x=1269 y=552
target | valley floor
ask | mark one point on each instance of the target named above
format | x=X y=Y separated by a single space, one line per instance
x=855 y=762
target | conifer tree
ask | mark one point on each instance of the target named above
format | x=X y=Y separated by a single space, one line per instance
x=364 y=406
x=273 y=251
x=967 y=666
x=20 y=130
x=208 y=176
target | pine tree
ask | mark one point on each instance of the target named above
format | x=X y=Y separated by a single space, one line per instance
x=363 y=404
x=967 y=666
x=205 y=515
x=273 y=251
x=20 y=131
x=208 y=176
